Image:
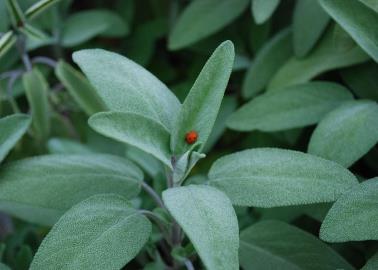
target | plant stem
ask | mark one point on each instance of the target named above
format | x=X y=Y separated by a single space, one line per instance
x=44 y=60
x=149 y=190
x=188 y=264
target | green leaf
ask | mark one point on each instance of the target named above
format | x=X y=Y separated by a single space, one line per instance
x=79 y=88
x=36 y=89
x=15 y=13
x=353 y=217
x=125 y=86
x=373 y=4
x=309 y=23
x=347 y=133
x=324 y=57
x=147 y=162
x=67 y=146
x=12 y=128
x=248 y=178
x=4 y=267
x=134 y=129
x=42 y=188
x=372 y=263
x=291 y=107
x=39 y=7
x=277 y=245
x=201 y=106
x=88 y=24
x=102 y=232
x=266 y=63
x=6 y=42
x=207 y=217
x=358 y=20
x=262 y=10
x=203 y=18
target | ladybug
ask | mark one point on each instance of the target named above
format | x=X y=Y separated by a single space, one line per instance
x=191 y=137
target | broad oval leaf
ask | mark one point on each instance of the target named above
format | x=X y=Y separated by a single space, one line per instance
x=358 y=20
x=134 y=129
x=67 y=146
x=353 y=217
x=372 y=263
x=12 y=128
x=309 y=23
x=102 y=232
x=277 y=245
x=269 y=177
x=266 y=63
x=294 y=106
x=40 y=189
x=207 y=217
x=347 y=133
x=200 y=108
x=262 y=10
x=203 y=18
x=125 y=86
x=79 y=88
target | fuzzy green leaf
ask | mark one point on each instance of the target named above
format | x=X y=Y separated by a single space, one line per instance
x=207 y=217
x=277 y=245
x=12 y=128
x=203 y=18
x=347 y=133
x=262 y=10
x=372 y=263
x=67 y=146
x=353 y=217
x=134 y=129
x=291 y=107
x=125 y=86
x=200 y=108
x=248 y=178
x=42 y=188
x=4 y=267
x=100 y=233
x=358 y=20
x=309 y=23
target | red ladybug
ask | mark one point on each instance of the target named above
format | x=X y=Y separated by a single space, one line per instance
x=191 y=137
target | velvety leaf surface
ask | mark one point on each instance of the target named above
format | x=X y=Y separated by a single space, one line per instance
x=266 y=63
x=262 y=10
x=353 y=217
x=67 y=146
x=291 y=107
x=207 y=217
x=200 y=108
x=79 y=88
x=40 y=189
x=277 y=245
x=372 y=263
x=102 y=232
x=358 y=20
x=134 y=129
x=4 y=267
x=12 y=128
x=371 y=4
x=347 y=133
x=125 y=86
x=202 y=18
x=309 y=23
x=248 y=179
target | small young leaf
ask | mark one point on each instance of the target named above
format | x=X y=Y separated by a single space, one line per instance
x=201 y=106
x=6 y=42
x=372 y=263
x=291 y=107
x=134 y=129
x=266 y=63
x=67 y=146
x=207 y=217
x=40 y=189
x=100 y=233
x=38 y=8
x=79 y=87
x=248 y=179
x=358 y=20
x=15 y=13
x=203 y=18
x=125 y=86
x=309 y=23
x=346 y=133
x=12 y=128
x=277 y=245
x=262 y=10
x=353 y=217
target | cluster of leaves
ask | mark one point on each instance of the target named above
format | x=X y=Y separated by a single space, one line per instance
x=97 y=171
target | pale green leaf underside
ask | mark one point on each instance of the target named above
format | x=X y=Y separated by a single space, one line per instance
x=248 y=179
x=347 y=133
x=207 y=217
x=270 y=245
x=353 y=217
x=40 y=189
x=262 y=10
x=100 y=233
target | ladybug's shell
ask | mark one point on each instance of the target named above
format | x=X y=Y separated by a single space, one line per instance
x=191 y=137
